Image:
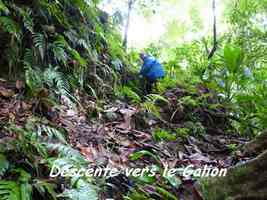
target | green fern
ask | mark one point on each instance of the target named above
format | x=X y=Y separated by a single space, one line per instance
x=44 y=188
x=85 y=44
x=54 y=79
x=39 y=42
x=17 y=190
x=161 y=135
x=58 y=49
x=25 y=186
x=27 y=142
x=28 y=58
x=52 y=132
x=27 y=19
x=165 y=194
x=150 y=107
x=156 y=97
x=55 y=9
x=76 y=56
x=9 y=190
x=10 y=26
x=28 y=23
x=65 y=150
x=83 y=191
x=150 y=104
x=129 y=93
x=33 y=79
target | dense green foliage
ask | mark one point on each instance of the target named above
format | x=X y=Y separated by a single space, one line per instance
x=60 y=48
x=237 y=71
x=61 y=40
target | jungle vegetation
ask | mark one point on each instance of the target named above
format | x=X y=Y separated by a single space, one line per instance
x=70 y=95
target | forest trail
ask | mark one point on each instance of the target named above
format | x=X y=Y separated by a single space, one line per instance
x=122 y=135
x=70 y=97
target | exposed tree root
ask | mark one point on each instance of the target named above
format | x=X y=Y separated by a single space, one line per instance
x=246 y=181
x=256 y=146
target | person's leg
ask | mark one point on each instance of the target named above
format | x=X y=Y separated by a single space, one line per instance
x=150 y=86
x=155 y=85
x=147 y=86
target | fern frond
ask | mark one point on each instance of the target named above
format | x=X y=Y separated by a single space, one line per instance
x=33 y=78
x=150 y=104
x=72 y=37
x=76 y=56
x=58 y=48
x=10 y=26
x=67 y=152
x=45 y=188
x=9 y=190
x=27 y=19
x=128 y=92
x=83 y=191
x=155 y=97
x=151 y=108
x=28 y=142
x=52 y=132
x=92 y=91
x=25 y=186
x=83 y=43
x=19 y=190
x=54 y=79
x=28 y=58
x=55 y=9
x=39 y=42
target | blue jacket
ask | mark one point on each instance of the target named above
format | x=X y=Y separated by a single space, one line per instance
x=152 y=69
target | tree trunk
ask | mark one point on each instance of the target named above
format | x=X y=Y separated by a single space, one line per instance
x=130 y=7
x=247 y=181
x=214 y=48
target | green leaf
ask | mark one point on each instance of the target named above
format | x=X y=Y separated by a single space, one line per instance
x=165 y=194
x=76 y=56
x=52 y=132
x=83 y=191
x=140 y=154
x=9 y=190
x=128 y=92
x=174 y=181
x=45 y=188
x=10 y=26
x=233 y=57
x=146 y=178
x=155 y=97
x=3 y=7
x=4 y=164
x=160 y=135
x=40 y=43
x=26 y=191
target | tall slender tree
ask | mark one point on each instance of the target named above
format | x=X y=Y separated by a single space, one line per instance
x=130 y=8
x=215 y=43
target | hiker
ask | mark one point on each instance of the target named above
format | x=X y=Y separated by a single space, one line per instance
x=151 y=70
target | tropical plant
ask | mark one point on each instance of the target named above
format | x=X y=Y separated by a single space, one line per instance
x=25 y=172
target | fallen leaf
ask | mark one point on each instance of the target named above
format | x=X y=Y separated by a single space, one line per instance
x=6 y=92
x=71 y=113
x=127 y=115
x=199 y=157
